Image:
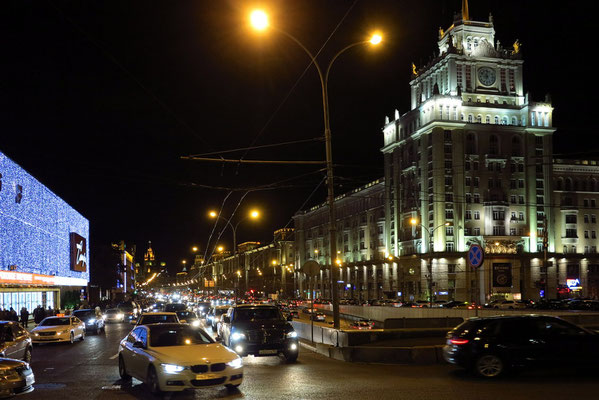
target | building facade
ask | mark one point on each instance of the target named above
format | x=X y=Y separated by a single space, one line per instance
x=470 y=163
x=259 y=270
x=362 y=254
x=44 y=242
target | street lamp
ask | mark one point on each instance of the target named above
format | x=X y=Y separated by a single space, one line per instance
x=431 y=249
x=253 y=214
x=259 y=21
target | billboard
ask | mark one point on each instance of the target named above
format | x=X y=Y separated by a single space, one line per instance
x=36 y=228
x=502 y=275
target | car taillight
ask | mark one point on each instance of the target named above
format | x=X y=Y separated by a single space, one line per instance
x=458 y=341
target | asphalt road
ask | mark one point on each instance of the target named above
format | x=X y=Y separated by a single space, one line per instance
x=88 y=370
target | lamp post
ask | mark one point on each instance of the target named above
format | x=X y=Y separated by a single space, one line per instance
x=259 y=21
x=254 y=214
x=431 y=249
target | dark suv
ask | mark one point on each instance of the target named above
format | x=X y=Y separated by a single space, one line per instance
x=489 y=346
x=260 y=330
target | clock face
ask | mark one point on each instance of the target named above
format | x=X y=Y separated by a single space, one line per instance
x=486 y=76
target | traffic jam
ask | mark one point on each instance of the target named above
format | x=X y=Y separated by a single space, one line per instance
x=175 y=342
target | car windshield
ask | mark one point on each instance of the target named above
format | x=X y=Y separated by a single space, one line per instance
x=155 y=319
x=186 y=315
x=258 y=313
x=84 y=314
x=220 y=311
x=112 y=311
x=162 y=336
x=55 y=321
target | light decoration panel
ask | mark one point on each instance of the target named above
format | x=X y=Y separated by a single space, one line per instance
x=35 y=225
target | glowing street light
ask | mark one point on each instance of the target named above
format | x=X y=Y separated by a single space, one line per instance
x=253 y=214
x=259 y=21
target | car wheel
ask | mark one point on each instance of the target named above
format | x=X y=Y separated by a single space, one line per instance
x=152 y=381
x=72 y=338
x=489 y=366
x=122 y=370
x=27 y=355
x=290 y=358
x=231 y=386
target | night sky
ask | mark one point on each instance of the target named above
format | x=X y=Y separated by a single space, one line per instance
x=100 y=99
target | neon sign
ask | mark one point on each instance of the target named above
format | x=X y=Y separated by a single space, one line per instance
x=573 y=284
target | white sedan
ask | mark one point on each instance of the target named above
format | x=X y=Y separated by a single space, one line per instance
x=175 y=357
x=58 y=329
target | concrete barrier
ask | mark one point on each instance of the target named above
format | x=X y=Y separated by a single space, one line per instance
x=427 y=322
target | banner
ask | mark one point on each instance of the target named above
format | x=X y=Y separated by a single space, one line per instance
x=502 y=275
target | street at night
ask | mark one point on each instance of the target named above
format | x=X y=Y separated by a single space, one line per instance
x=89 y=370
x=380 y=199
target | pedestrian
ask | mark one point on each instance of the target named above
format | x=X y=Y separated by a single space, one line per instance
x=50 y=312
x=38 y=314
x=13 y=315
x=24 y=317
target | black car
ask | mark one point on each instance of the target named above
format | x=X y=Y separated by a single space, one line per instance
x=260 y=330
x=490 y=346
x=174 y=307
x=93 y=322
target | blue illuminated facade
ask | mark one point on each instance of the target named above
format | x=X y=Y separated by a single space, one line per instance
x=37 y=229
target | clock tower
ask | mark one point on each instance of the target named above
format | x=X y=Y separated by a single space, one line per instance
x=470 y=162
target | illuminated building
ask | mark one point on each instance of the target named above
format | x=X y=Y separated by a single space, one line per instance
x=360 y=243
x=261 y=268
x=44 y=246
x=471 y=162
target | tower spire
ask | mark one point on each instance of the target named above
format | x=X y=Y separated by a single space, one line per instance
x=465 y=12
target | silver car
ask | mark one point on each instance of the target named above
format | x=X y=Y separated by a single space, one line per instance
x=15 y=341
x=16 y=377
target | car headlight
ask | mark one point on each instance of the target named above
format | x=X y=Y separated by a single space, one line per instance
x=292 y=334
x=91 y=321
x=237 y=336
x=120 y=315
x=236 y=363
x=172 y=368
x=195 y=323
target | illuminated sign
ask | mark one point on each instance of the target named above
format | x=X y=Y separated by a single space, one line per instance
x=22 y=278
x=573 y=284
x=78 y=252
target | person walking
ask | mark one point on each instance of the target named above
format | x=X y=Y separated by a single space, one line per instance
x=13 y=315
x=37 y=314
x=24 y=317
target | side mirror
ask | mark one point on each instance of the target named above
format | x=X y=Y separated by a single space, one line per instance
x=138 y=345
x=183 y=321
x=226 y=319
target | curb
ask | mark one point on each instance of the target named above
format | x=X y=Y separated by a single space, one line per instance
x=417 y=355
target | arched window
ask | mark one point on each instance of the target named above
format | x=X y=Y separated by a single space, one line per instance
x=488 y=119
x=593 y=187
x=559 y=184
x=496 y=120
x=493 y=145
x=479 y=119
x=568 y=186
x=504 y=121
x=514 y=121
x=470 y=118
x=516 y=146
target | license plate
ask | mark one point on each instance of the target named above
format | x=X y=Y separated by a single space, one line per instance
x=207 y=376
x=267 y=351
